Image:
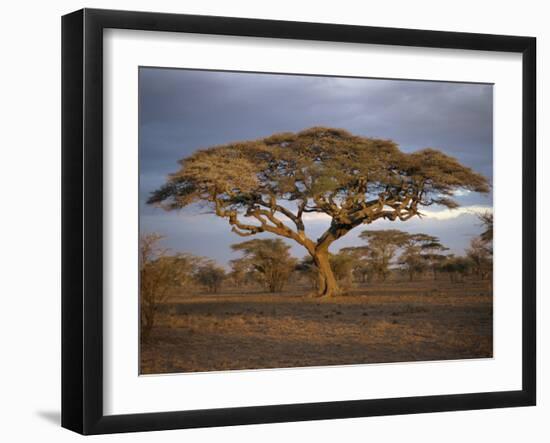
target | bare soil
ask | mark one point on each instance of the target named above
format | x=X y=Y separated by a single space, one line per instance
x=393 y=322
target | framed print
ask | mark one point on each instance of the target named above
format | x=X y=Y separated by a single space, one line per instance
x=268 y=221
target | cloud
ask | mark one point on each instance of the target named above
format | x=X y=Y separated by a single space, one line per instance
x=448 y=214
x=183 y=110
x=443 y=214
x=462 y=192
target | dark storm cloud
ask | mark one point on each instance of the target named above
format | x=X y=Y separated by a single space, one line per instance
x=182 y=110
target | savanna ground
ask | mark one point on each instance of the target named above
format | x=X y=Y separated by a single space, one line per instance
x=375 y=323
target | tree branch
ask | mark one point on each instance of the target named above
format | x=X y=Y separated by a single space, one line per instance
x=264 y=217
x=367 y=212
x=297 y=219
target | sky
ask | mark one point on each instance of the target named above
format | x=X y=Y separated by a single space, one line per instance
x=183 y=110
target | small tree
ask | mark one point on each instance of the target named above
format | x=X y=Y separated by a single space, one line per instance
x=481 y=249
x=259 y=185
x=211 y=276
x=412 y=261
x=420 y=253
x=382 y=247
x=487 y=221
x=342 y=265
x=435 y=261
x=240 y=272
x=480 y=254
x=456 y=267
x=159 y=273
x=269 y=261
x=362 y=268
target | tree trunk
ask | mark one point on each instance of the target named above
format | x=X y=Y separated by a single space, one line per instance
x=328 y=286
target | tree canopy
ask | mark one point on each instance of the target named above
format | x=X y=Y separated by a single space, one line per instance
x=267 y=185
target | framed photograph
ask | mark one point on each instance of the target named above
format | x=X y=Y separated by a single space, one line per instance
x=269 y=221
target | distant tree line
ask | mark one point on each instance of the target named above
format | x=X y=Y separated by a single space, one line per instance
x=268 y=264
x=398 y=253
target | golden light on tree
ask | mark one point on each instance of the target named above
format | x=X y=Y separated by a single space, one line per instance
x=267 y=185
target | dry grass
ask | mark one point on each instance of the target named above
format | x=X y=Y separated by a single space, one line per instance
x=380 y=323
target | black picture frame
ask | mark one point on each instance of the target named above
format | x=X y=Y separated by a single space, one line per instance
x=82 y=218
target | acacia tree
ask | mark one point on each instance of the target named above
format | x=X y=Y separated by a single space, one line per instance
x=268 y=260
x=456 y=267
x=481 y=255
x=363 y=268
x=239 y=274
x=487 y=221
x=420 y=252
x=412 y=261
x=381 y=248
x=267 y=185
x=481 y=249
x=159 y=273
x=210 y=275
